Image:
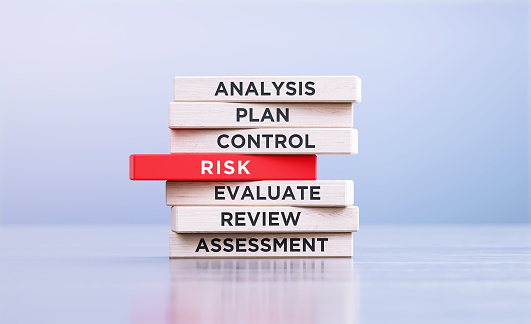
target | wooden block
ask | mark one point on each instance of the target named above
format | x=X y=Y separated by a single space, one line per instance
x=259 y=115
x=324 y=193
x=228 y=167
x=263 y=219
x=268 y=88
x=271 y=245
x=265 y=141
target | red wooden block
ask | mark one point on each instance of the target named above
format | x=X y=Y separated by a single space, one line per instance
x=227 y=167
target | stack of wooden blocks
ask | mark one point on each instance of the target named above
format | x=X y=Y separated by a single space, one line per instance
x=241 y=176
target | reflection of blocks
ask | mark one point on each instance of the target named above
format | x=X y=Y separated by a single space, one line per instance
x=263 y=290
x=268 y=204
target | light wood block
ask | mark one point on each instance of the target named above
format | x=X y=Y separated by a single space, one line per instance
x=271 y=245
x=241 y=219
x=265 y=141
x=268 y=88
x=324 y=193
x=259 y=115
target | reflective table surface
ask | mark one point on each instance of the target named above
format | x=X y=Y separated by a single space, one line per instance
x=399 y=274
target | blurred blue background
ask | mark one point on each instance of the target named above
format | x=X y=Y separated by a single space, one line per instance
x=443 y=126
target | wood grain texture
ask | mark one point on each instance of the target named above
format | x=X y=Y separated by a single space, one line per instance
x=326 y=193
x=259 y=115
x=240 y=219
x=265 y=141
x=241 y=245
x=268 y=88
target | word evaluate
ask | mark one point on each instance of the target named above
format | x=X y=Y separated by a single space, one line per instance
x=325 y=193
x=273 y=193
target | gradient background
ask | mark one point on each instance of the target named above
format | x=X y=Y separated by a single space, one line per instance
x=443 y=126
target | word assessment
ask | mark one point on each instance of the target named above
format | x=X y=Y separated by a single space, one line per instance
x=260 y=245
x=293 y=244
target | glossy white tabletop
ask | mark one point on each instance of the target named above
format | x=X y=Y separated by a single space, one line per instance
x=399 y=274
